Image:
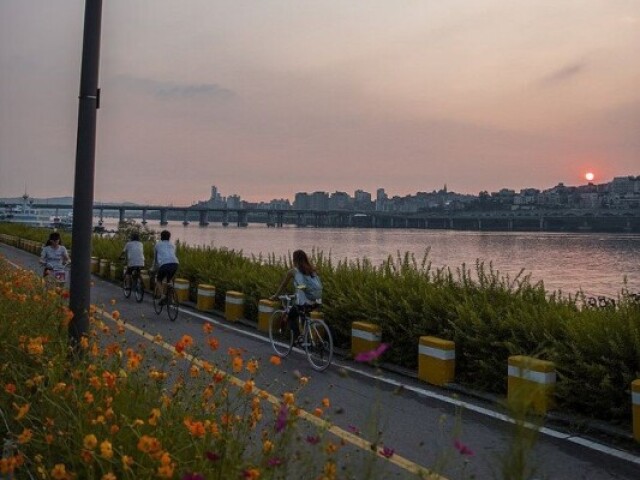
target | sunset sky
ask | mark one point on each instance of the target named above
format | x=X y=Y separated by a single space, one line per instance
x=266 y=98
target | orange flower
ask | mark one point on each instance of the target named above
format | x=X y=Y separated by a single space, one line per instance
x=194 y=371
x=237 y=364
x=304 y=380
x=251 y=474
x=115 y=314
x=248 y=386
x=318 y=412
x=113 y=301
x=207 y=328
x=267 y=446
x=109 y=379
x=150 y=445
x=25 y=436
x=252 y=366
x=127 y=461
x=155 y=415
x=325 y=402
x=10 y=388
x=213 y=343
x=109 y=476
x=275 y=360
x=88 y=397
x=196 y=429
x=59 y=472
x=288 y=398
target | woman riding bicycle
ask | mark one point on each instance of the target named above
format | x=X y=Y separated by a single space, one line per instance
x=54 y=256
x=308 y=288
x=166 y=261
x=134 y=252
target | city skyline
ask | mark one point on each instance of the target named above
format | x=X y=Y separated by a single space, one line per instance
x=270 y=99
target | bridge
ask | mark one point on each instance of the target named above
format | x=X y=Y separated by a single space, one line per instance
x=616 y=220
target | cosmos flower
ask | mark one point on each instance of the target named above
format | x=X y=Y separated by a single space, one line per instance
x=372 y=354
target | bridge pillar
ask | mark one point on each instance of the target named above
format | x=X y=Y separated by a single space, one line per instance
x=316 y=220
x=280 y=219
x=203 y=218
x=121 y=215
x=541 y=224
x=450 y=223
x=426 y=223
x=185 y=220
x=163 y=217
x=225 y=218
x=299 y=219
x=242 y=218
x=144 y=217
x=101 y=215
x=479 y=224
x=373 y=221
x=510 y=224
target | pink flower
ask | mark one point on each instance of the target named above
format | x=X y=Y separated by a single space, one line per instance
x=212 y=456
x=274 y=462
x=462 y=448
x=281 y=421
x=372 y=354
x=353 y=429
x=313 y=440
x=387 y=452
x=192 y=476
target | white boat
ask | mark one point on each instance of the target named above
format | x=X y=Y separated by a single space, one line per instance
x=25 y=214
x=64 y=222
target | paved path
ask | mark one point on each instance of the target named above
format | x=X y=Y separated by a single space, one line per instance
x=418 y=422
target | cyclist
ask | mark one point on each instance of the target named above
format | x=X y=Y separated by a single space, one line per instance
x=303 y=275
x=54 y=255
x=134 y=252
x=165 y=260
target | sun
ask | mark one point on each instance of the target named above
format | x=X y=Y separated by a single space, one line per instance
x=589 y=176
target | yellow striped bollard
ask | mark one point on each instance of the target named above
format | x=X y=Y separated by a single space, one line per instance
x=206 y=297
x=531 y=382
x=635 y=400
x=115 y=272
x=436 y=360
x=265 y=310
x=234 y=305
x=365 y=337
x=104 y=267
x=181 y=286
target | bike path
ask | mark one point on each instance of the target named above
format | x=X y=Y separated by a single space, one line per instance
x=418 y=422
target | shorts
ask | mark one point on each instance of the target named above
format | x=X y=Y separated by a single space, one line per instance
x=130 y=270
x=167 y=271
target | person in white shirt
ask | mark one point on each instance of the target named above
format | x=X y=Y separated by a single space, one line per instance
x=53 y=256
x=166 y=261
x=134 y=252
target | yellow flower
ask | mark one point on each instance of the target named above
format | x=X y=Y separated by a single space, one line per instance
x=288 y=398
x=127 y=461
x=267 y=446
x=252 y=474
x=90 y=441
x=113 y=301
x=304 y=380
x=325 y=402
x=194 y=371
x=155 y=415
x=109 y=476
x=106 y=450
x=22 y=410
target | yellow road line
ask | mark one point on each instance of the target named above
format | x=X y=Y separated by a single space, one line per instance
x=348 y=437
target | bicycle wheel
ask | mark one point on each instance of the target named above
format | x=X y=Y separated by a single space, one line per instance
x=126 y=287
x=318 y=344
x=172 y=303
x=138 y=288
x=280 y=333
x=157 y=306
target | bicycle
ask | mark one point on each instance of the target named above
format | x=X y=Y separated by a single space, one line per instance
x=133 y=282
x=57 y=276
x=315 y=339
x=171 y=300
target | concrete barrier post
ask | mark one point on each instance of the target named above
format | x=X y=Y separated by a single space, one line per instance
x=95 y=265
x=635 y=400
x=206 y=298
x=265 y=310
x=115 y=272
x=436 y=360
x=182 y=289
x=234 y=305
x=531 y=382
x=104 y=267
x=365 y=337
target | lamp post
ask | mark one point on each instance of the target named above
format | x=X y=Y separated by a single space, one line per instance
x=80 y=293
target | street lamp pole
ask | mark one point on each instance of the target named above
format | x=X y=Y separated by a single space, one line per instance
x=80 y=289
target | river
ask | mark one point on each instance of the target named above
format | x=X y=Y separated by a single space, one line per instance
x=594 y=262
